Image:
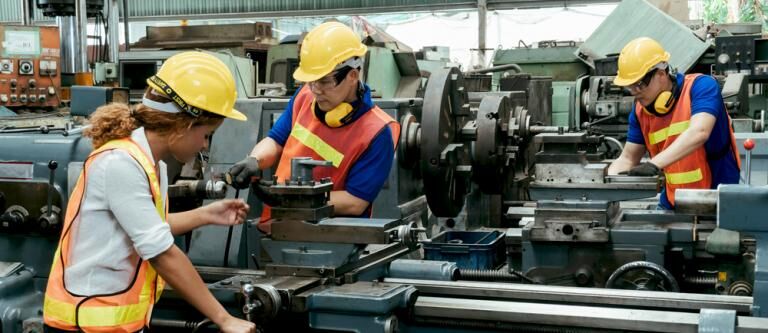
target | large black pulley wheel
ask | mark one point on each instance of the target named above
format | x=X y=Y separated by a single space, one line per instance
x=443 y=115
x=642 y=275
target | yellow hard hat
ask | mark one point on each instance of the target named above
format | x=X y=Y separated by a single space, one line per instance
x=324 y=48
x=637 y=58
x=198 y=82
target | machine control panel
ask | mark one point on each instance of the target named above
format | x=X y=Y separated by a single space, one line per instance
x=30 y=59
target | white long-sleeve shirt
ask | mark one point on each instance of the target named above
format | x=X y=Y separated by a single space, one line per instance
x=118 y=223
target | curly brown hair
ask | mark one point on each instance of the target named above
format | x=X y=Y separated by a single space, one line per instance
x=117 y=121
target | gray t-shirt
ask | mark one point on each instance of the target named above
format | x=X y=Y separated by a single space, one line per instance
x=118 y=223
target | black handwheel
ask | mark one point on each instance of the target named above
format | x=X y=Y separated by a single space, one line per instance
x=642 y=275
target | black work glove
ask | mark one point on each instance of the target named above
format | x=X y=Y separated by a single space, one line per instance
x=646 y=169
x=241 y=175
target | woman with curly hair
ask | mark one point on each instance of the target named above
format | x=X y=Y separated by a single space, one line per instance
x=116 y=249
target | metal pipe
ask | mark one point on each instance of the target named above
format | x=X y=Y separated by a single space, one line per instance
x=26 y=12
x=496 y=326
x=126 y=26
x=611 y=298
x=697 y=202
x=81 y=31
x=113 y=24
x=545 y=129
x=482 y=13
x=500 y=68
x=579 y=316
x=615 y=141
x=68 y=36
x=76 y=130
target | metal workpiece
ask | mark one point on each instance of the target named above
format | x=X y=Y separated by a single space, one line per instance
x=423 y=270
x=572 y=316
x=198 y=189
x=300 y=198
x=696 y=202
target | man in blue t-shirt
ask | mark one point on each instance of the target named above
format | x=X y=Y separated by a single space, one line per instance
x=333 y=101
x=644 y=71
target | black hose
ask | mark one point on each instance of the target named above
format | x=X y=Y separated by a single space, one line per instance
x=194 y=326
x=229 y=236
x=499 y=68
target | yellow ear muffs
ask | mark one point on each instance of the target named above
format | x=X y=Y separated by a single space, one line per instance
x=339 y=116
x=664 y=102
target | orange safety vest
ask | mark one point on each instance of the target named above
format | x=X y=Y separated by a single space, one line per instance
x=128 y=310
x=342 y=146
x=692 y=171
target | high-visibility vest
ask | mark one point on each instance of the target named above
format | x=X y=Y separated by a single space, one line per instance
x=343 y=145
x=691 y=171
x=127 y=310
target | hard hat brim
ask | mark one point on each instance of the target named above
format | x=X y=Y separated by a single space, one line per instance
x=237 y=115
x=623 y=82
x=303 y=76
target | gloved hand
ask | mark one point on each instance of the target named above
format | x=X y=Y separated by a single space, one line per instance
x=646 y=169
x=241 y=174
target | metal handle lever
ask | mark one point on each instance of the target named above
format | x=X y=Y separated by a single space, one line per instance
x=749 y=144
x=52 y=165
x=49 y=219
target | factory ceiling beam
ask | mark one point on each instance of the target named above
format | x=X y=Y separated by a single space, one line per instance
x=171 y=10
x=424 y=7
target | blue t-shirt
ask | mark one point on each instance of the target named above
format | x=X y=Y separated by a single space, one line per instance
x=705 y=97
x=368 y=174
